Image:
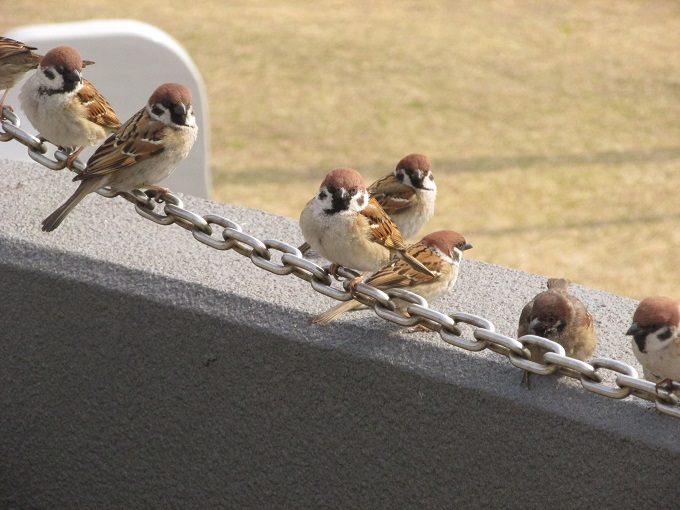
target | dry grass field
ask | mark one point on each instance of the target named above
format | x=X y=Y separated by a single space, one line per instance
x=553 y=127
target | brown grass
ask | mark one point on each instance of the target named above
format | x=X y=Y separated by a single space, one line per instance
x=554 y=127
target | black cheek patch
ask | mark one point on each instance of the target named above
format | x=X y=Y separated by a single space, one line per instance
x=157 y=110
x=665 y=335
x=49 y=74
x=322 y=195
x=361 y=201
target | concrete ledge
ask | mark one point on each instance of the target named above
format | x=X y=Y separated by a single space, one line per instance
x=142 y=369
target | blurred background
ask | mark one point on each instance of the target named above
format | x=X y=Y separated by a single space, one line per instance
x=553 y=127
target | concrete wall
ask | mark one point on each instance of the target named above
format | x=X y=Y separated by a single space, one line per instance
x=142 y=369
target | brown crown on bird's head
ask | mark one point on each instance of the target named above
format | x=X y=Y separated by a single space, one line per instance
x=414 y=162
x=346 y=178
x=64 y=56
x=657 y=310
x=173 y=93
x=550 y=305
x=445 y=241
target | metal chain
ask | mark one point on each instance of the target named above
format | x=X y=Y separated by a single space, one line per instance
x=282 y=258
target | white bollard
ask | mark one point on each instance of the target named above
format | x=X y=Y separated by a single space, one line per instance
x=131 y=59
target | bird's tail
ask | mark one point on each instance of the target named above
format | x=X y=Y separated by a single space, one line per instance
x=304 y=247
x=55 y=219
x=558 y=284
x=333 y=313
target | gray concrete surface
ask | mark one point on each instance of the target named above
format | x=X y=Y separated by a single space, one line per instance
x=142 y=369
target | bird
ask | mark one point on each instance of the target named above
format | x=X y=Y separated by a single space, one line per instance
x=656 y=338
x=143 y=152
x=407 y=195
x=66 y=109
x=16 y=59
x=440 y=251
x=348 y=228
x=558 y=316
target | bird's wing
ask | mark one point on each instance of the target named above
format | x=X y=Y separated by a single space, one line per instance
x=98 y=108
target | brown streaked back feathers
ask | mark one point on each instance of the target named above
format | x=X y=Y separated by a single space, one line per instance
x=392 y=194
x=133 y=142
x=99 y=110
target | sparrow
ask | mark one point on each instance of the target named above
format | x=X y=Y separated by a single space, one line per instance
x=656 y=338
x=16 y=59
x=348 y=228
x=558 y=316
x=64 y=107
x=440 y=252
x=407 y=195
x=143 y=152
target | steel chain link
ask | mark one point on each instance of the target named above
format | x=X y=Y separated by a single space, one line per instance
x=205 y=229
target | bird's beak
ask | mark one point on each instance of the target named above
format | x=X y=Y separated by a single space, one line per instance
x=467 y=246
x=634 y=330
x=88 y=63
x=73 y=76
x=179 y=113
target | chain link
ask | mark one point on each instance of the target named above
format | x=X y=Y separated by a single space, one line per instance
x=11 y=130
x=415 y=312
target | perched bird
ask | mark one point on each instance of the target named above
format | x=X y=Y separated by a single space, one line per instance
x=656 y=338
x=558 y=316
x=348 y=228
x=441 y=252
x=143 y=152
x=16 y=59
x=407 y=194
x=65 y=108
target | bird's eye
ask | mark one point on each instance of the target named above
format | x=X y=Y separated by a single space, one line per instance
x=352 y=191
x=332 y=189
